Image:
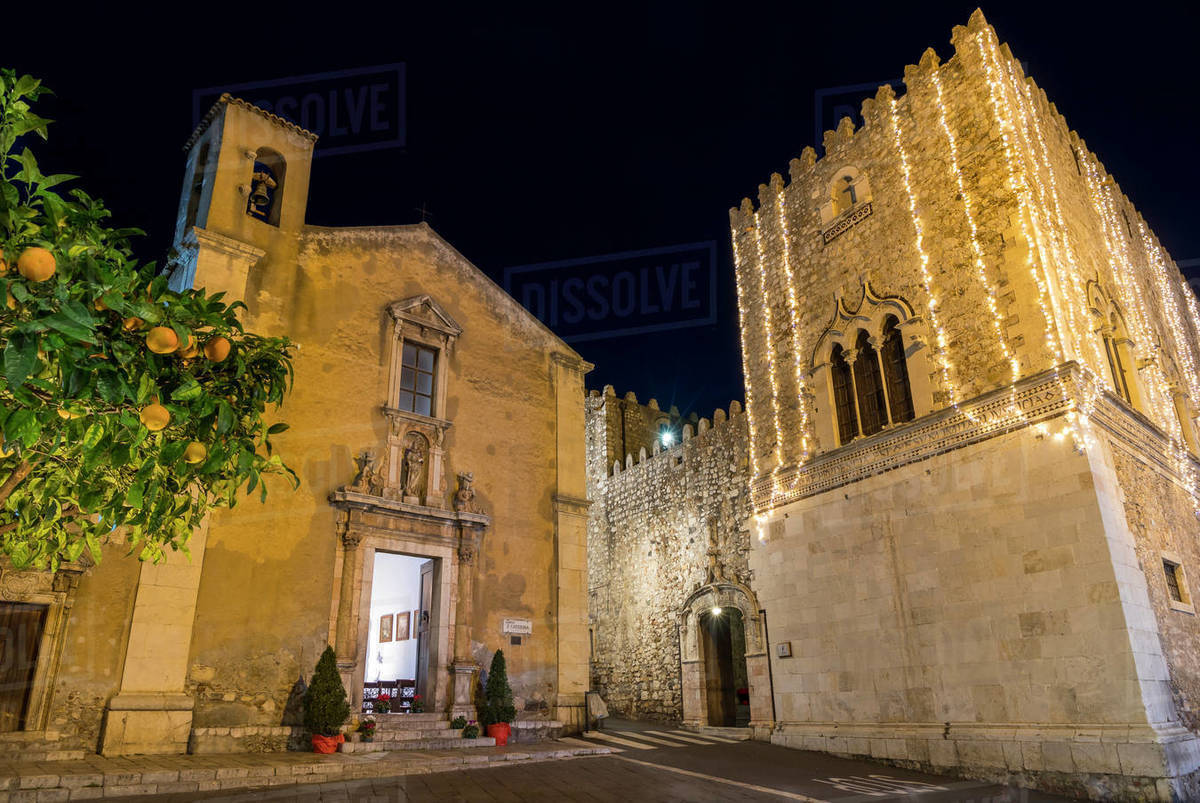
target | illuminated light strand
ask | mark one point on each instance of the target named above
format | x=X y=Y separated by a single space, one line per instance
x=1048 y=302
x=1051 y=200
x=770 y=348
x=976 y=248
x=926 y=278
x=1170 y=304
x=797 y=352
x=743 y=319
x=1129 y=290
x=1050 y=234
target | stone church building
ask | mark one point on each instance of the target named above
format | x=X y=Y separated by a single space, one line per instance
x=438 y=432
x=970 y=541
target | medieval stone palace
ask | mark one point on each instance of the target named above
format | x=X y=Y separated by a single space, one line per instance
x=955 y=526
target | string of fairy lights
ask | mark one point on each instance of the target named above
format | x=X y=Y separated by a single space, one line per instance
x=1075 y=328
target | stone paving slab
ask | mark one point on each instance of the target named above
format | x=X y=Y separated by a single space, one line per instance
x=95 y=776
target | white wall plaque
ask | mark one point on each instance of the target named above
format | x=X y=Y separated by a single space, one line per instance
x=522 y=627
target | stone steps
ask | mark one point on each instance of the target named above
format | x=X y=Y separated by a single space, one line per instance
x=409 y=735
x=415 y=744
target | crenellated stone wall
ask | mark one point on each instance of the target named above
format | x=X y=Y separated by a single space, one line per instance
x=655 y=517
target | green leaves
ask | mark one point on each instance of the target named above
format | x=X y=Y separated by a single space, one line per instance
x=20 y=356
x=85 y=469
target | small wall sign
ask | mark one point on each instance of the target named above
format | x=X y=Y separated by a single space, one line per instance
x=521 y=627
x=784 y=649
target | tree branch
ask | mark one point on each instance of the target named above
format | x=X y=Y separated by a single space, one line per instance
x=14 y=479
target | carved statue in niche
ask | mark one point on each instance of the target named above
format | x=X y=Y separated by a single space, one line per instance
x=464 y=497
x=416 y=449
x=379 y=472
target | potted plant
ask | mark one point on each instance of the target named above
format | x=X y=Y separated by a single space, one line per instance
x=471 y=731
x=458 y=723
x=498 y=709
x=383 y=703
x=367 y=728
x=325 y=705
x=418 y=705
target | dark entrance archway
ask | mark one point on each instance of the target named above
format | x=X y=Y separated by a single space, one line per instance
x=726 y=684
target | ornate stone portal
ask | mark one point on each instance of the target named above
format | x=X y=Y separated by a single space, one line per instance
x=376 y=512
x=723 y=594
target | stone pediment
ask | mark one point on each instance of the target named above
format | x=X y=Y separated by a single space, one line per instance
x=422 y=311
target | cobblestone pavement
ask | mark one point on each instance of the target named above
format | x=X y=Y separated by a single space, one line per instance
x=665 y=768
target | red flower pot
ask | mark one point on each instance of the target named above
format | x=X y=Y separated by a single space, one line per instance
x=500 y=732
x=326 y=744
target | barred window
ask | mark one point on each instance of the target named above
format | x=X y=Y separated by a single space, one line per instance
x=1171 y=570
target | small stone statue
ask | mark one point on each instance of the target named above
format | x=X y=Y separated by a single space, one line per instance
x=414 y=468
x=464 y=497
x=362 y=480
x=716 y=572
x=378 y=478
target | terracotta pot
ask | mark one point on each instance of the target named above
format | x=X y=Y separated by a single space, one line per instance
x=326 y=744
x=500 y=732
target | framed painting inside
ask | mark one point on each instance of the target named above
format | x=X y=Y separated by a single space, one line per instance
x=402 y=626
x=385 y=628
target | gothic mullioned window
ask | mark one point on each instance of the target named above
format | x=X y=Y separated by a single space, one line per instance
x=843 y=394
x=870 y=369
x=895 y=372
x=872 y=405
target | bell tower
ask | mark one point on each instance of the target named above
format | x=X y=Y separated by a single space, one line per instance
x=244 y=195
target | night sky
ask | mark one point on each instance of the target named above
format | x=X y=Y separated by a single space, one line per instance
x=541 y=136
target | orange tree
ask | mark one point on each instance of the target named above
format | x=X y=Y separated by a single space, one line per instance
x=126 y=409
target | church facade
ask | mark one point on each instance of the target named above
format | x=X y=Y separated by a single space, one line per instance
x=438 y=432
x=970 y=460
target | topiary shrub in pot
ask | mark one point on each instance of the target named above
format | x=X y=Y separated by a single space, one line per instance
x=498 y=711
x=325 y=705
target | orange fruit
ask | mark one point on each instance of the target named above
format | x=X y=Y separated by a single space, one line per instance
x=130 y=324
x=217 y=348
x=162 y=340
x=3 y=265
x=36 y=264
x=155 y=417
x=195 y=452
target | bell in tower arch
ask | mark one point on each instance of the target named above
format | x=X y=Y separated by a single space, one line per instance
x=262 y=192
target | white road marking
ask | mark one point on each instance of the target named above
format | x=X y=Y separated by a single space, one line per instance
x=571 y=740
x=716 y=779
x=690 y=738
x=646 y=737
x=714 y=736
x=615 y=740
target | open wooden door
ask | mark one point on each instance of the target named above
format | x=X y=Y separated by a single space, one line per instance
x=422 y=628
x=20 y=638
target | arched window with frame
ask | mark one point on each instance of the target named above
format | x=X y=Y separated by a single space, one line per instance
x=872 y=405
x=843 y=395
x=895 y=370
x=1114 y=344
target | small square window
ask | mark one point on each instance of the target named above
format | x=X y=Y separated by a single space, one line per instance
x=417 y=379
x=1171 y=570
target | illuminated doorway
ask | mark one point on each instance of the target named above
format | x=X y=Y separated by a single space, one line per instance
x=726 y=687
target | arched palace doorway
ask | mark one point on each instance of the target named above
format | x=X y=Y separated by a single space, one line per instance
x=722 y=647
